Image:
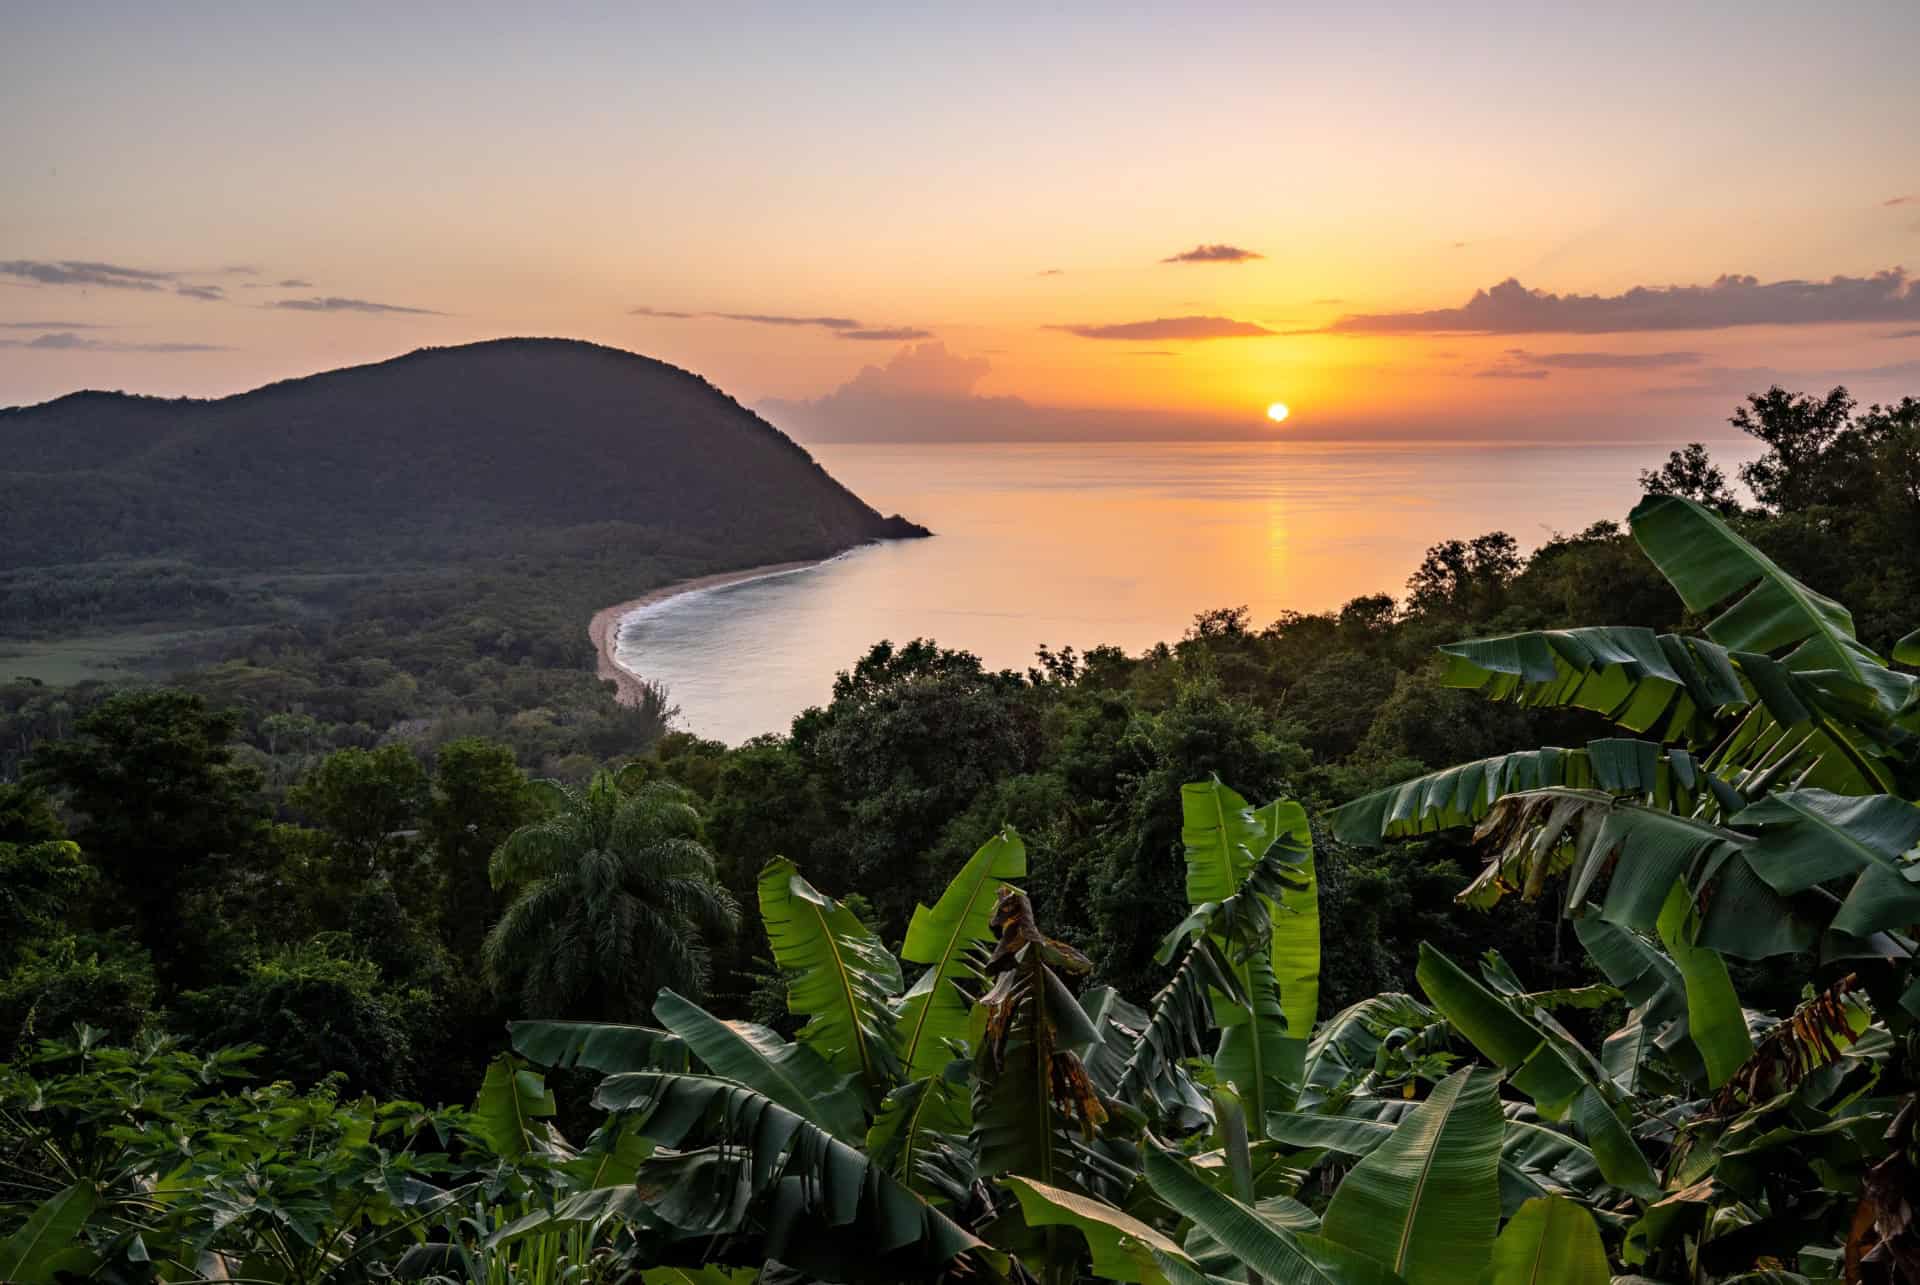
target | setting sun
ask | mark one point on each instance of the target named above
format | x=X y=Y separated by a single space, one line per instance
x=1277 y=412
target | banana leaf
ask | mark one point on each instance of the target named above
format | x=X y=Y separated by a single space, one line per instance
x=597 y=1046
x=1269 y=1250
x=511 y=1108
x=1550 y=1239
x=1426 y=1201
x=839 y=977
x=946 y=937
x=1122 y=1247
x=739 y=1179
x=791 y=1074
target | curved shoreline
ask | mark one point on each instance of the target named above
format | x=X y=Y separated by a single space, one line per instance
x=604 y=628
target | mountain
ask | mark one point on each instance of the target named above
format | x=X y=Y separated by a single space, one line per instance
x=445 y=453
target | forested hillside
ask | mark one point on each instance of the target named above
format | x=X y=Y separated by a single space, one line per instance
x=443 y=453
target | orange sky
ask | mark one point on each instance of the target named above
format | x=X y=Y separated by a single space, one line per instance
x=999 y=182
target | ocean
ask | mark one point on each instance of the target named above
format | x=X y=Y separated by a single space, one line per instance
x=1118 y=543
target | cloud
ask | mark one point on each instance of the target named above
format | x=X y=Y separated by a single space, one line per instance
x=1214 y=254
x=1909 y=199
x=1170 y=328
x=1511 y=308
x=52 y=325
x=897 y=334
x=207 y=294
x=774 y=319
x=83 y=272
x=290 y=283
x=1511 y=372
x=1152 y=352
x=63 y=341
x=1607 y=360
x=845 y=327
x=1905 y=334
x=1051 y=272
x=331 y=303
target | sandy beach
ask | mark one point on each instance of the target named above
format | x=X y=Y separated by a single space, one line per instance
x=604 y=626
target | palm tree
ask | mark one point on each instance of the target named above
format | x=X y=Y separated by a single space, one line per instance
x=617 y=897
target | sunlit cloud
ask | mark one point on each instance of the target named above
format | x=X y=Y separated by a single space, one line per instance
x=1511 y=308
x=62 y=341
x=52 y=325
x=83 y=272
x=845 y=327
x=895 y=333
x=333 y=303
x=1214 y=254
x=1607 y=360
x=1171 y=328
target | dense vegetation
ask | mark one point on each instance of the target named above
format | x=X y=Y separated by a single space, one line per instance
x=1688 y=1048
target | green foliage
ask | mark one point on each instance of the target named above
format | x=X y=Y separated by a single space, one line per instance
x=615 y=897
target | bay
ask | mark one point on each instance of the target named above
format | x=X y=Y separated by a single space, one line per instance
x=1119 y=543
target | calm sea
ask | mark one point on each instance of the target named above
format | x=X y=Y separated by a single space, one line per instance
x=1104 y=543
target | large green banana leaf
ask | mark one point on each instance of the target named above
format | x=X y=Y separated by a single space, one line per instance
x=1550 y=1240
x=1177 y=1028
x=1715 y=1020
x=1775 y=615
x=1651 y=983
x=944 y=937
x=1269 y=1250
x=1123 y=1248
x=1427 y=1200
x=1560 y=1076
x=1341 y=1055
x=1241 y=863
x=920 y=1133
x=511 y=1110
x=597 y=1046
x=839 y=977
x=1222 y=837
x=740 y=1179
x=28 y=1255
x=1296 y=937
x=1803 y=838
x=1670 y=780
x=791 y=1074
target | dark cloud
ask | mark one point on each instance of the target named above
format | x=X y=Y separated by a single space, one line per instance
x=898 y=334
x=63 y=341
x=1170 y=328
x=845 y=327
x=1511 y=308
x=1909 y=199
x=1214 y=254
x=52 y=325
x=331 y=303
x=291 y=283
x=1511 y=372
x=207 y=294
x=1905 y=334
x=1607 y=360
x=773 y=319
x=83 y=272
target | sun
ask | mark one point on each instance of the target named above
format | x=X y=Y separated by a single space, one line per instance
x=1278 y=412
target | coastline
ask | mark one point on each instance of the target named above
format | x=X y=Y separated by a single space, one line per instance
x=603 y=628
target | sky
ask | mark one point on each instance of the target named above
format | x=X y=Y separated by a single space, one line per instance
x=1478 y=220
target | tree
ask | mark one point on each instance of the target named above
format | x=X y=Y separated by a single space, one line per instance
x=615 y=896
x=1465 y=577
x=1691 y=472
x=164 y=809
x=1813 y=457
x=480 y=796
x=365 y=799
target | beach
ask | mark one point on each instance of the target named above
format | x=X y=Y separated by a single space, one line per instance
x=604 y=628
